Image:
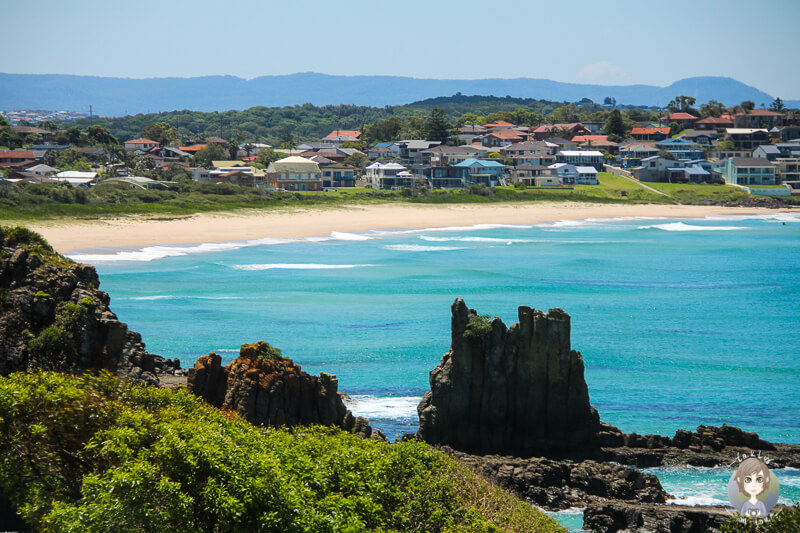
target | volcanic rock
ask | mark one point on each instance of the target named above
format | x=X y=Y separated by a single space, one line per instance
x=514 y=391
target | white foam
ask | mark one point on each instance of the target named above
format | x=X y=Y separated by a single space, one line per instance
x=391 y=407
x=778 y=217
x=681 y=226
x=153 y=297
x=420 y=248
x=693 y=501
x=295 y=266
x=431 y=238
x=475 y=227
x=340 y=236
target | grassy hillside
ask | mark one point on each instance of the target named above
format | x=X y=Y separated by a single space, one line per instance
x=94 y=454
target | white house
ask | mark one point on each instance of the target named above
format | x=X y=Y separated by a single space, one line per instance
x=390 y=176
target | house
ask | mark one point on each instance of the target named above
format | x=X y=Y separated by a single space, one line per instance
x=757 y=118
x=551 y=130
x=42 y=170
x=534 y=176
x=446 y=177
x=526 y=148
x=599 y=142
x=17 y=158
x=413 y=153
x=479 y=171
x=717 y=154
x=77 y=178
x=582 y=158
x=586 y=176
x=342 y=136
x=558 y=144
x=192 y=150
x=390 y=176
x=747 y=138
x=788 y=172
x=450 y=155
x=788 y=133
x=650 y=133
x=337 y=174
x=684 y=120
x=246 y=177
x=139 y=182
x=700 y=137
x=294 y=173
x=24 y=131
x=632 y=154
x=713 y=123
x=770 y=152
x=680 y=148
x=381 y=152
x=498 y=125
x=503 y=137
x=567 y=174
x=142 y=144
x=749 y=171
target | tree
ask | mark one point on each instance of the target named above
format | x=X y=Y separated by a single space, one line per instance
x=386 y=130
x=287 y=139
x=357 y=160
x=609 y=100
x=682 y=104
x=747 y=106
x=469 y=119
x=712 y=108
x=436 y=127
x=777 y=105
x=99 y=135
x=726 y=144
x=267 y=156
x=666 y=155
x=70 y=159
x=161 y=132
x=614 y=124
x=211 y=152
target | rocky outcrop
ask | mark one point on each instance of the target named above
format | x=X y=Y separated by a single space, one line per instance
x=563 y=484
x=53 y=317
x=517 y=390
x=627 y=516
x=270 y=390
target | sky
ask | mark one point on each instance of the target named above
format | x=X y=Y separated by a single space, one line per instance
x=616 y=42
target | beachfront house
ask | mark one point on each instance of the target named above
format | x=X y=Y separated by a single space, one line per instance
x=681 y=148
x=294 y=173
x=749 y=171
x=480 y=171
x=582 y=158
x=389 y=176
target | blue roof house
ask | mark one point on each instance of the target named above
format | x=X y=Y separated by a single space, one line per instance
x=479 y=171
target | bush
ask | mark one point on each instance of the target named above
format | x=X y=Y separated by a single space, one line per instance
x=787 y=519
x=478 y=326
x=93 y=454
x=261 y=350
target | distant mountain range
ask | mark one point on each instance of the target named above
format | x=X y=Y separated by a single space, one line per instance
x=126 y=96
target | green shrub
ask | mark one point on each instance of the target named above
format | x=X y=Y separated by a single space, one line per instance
x=787 y=519
x=48 y=345
x=93 y=454
x=19 y=235
x=478 y=327
x=88 y=302
x=42 y=294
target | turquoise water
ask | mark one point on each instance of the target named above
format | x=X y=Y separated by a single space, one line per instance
x=680 y=322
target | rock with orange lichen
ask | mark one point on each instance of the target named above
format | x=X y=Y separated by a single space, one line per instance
x=268 y=389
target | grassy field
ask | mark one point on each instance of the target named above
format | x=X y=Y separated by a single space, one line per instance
x=691 y=193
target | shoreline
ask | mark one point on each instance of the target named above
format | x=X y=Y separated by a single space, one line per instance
x=113 y=234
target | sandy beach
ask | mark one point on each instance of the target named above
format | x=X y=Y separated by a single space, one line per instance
x=74 y=234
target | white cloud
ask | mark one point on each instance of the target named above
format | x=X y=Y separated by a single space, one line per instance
x=604 y=72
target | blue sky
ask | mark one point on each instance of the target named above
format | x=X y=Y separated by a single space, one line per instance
x=611 y=42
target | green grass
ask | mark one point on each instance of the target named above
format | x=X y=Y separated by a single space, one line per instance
x=94 y=454
x=691 y=193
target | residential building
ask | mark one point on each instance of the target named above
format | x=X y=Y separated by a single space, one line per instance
x=413 y=153
x=341 y=136
x=596 y=142
x=582 y=158
x=381 y=152
x=757 y=118
x=17 y=158
x=478 y=171
x=389 y=176
x=142 y=144
x=570 y=130
x=749 y=171
x=77 y=178
x=567 y=174
x=294 y=173
x=633 y=154
x=338 y=175
x=748 y=138
x=526 y=148
x=650 y=133
x=703 y=138
x=680 y=148
x=450 y=155
x=447 y=177
x=498 y=125
x=558 y=144
x=713 y=123
x=684 y=120
x=42 y=170
x=788 y=172
x=770 y=152
x=717 y=154
x=533 y=175
x=503 y=137
x=586 y=176
x=24 y=131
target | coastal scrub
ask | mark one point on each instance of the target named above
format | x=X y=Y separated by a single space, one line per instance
x=92 y=453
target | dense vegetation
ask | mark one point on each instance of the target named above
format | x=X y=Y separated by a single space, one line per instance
x=94 y=454
x=31 y=201
x=784 y=521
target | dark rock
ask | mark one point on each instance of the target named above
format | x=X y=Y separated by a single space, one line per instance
x=615 y=516
x=53 y=317
x=517 y=390
x=270 y=390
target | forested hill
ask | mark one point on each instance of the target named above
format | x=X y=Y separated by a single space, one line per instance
x=309 y=122
x=122 y=96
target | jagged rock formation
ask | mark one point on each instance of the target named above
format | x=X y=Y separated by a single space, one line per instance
x=517 y=390
x=626 y=516
x=270 y=390
x=53 y=317
x=558 y=485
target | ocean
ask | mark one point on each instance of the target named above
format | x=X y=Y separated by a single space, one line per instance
x=680 y=322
